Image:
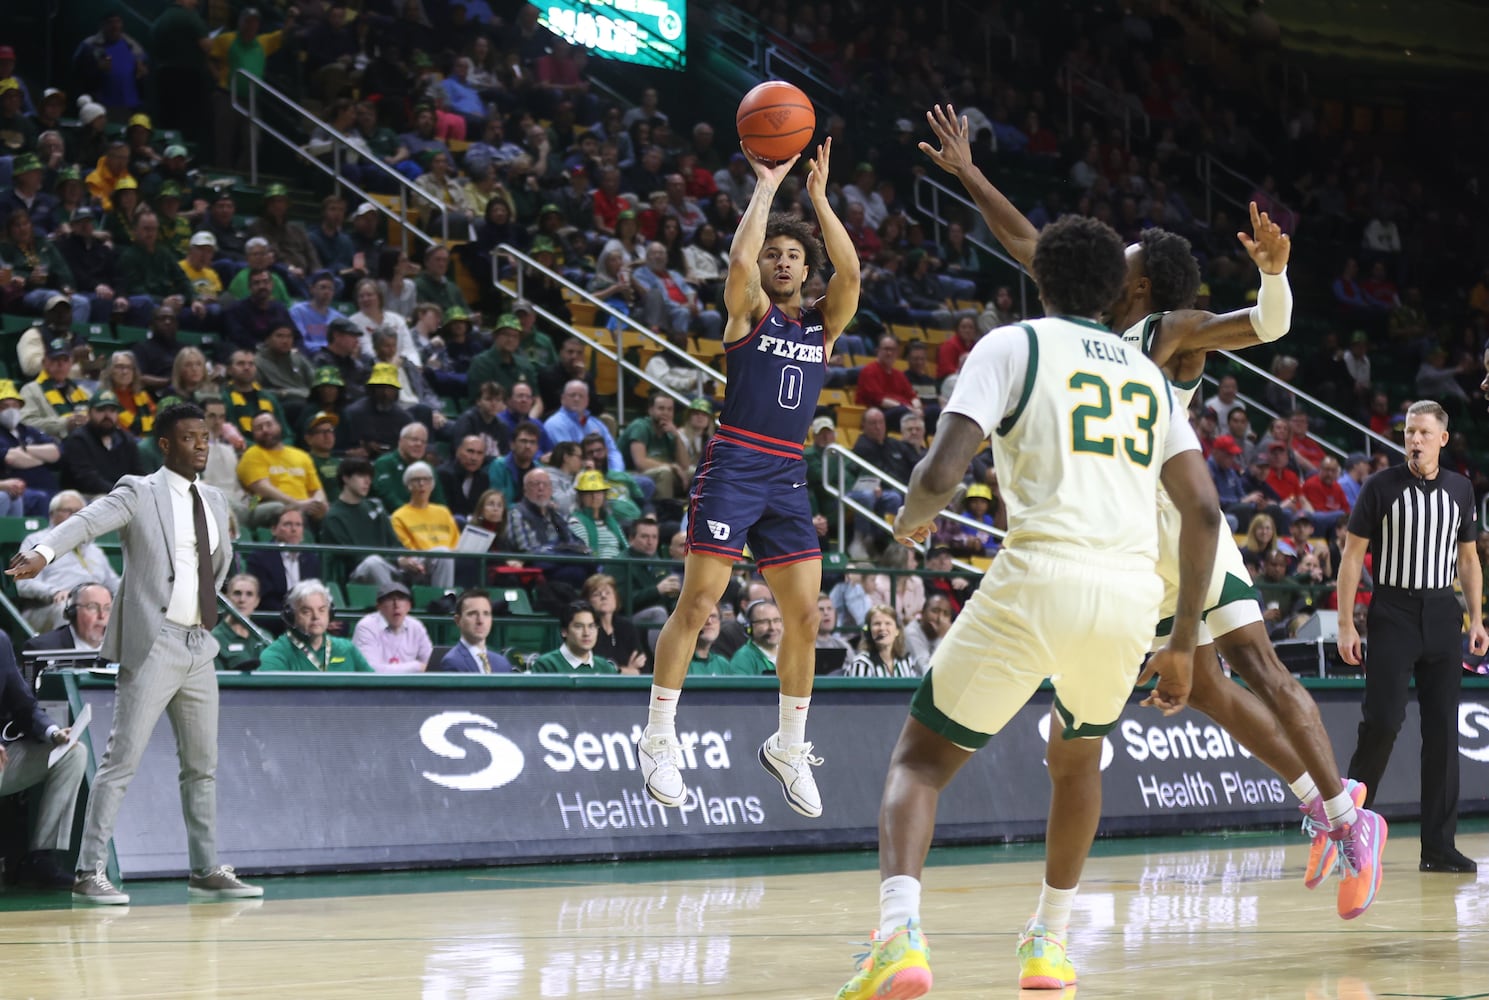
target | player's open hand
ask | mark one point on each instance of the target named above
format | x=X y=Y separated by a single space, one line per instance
x=955 y=154
x=1175 y=672
x=910 y=534
x=25 y=565
x=1271 y=247
x=817 y=168
x=769 y=170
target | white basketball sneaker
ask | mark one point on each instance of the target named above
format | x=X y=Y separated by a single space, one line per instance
x=792 y=765
x=661 y=768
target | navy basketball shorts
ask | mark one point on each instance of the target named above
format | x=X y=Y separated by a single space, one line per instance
x=744 y=496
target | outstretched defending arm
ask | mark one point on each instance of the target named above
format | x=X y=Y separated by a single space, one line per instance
x=841 y=301
x=743 y=296
x=1016 y=233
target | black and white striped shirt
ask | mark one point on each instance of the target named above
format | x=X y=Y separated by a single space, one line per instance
x=1415 y=526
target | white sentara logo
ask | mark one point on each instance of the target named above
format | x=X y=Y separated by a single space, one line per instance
x=505 y=762
x=719 y=530
x=1473 y=724
x=1107 y=751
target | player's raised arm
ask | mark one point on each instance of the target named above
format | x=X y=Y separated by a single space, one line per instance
x=1010 y=228
x=1193 y=331
x=841 y=301
x=743 y=296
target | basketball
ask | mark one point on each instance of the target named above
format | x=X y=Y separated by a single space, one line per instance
x=775 y=120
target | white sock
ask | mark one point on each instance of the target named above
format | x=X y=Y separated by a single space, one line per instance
x=1340 y=809
x=661 y=714
x=899 y=903
x=1304 y=788
x=793 y=719
x=1054 y=910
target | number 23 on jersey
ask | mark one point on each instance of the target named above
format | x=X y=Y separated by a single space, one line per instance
x=1090 y=432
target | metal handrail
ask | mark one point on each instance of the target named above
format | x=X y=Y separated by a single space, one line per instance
x=844 y=500
x=1314 y=402
x=776 y=56
x=1204 y=168
x=506 y=249
x=1094 y=85
x=339 y=144
x=933 y=210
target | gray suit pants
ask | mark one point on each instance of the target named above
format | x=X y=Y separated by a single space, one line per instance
x=178 y=678
x=26 y=767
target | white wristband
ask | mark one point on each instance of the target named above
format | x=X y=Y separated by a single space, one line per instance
x=1272 y=316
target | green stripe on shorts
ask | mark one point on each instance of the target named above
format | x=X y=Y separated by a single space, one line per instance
x=924 y=711
x=1233 y=590
x=1086 y=732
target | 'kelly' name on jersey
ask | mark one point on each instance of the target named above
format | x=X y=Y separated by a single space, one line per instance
x=788 y=349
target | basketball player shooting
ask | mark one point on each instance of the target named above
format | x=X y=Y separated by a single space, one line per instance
x=750 y=485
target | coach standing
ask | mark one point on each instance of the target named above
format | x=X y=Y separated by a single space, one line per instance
x=1419 y=520
x=174 y=532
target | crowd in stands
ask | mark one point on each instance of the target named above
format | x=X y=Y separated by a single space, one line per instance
x=449 y=436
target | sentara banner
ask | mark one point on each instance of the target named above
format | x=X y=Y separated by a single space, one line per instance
x=337 y=777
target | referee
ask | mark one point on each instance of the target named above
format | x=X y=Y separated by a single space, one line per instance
x=1419 y=521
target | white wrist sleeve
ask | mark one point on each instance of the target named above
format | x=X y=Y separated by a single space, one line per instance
x=1272 y=316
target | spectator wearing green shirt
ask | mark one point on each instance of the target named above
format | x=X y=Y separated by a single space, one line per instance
x=178 y=48
x=580 y=631
x=306 y=646
x=820 y=471
x=501 y=363
x=387 y=471
x=648 y=586
x=758 y=656
x=260 y=256
x=534 y=345
x=434 y=283
x=654 y=449
x=626 y=496
x=236 y=643
x=359 y=520
x=705 y=661
x=231 y=51
x=40 y=265
x=147 y=267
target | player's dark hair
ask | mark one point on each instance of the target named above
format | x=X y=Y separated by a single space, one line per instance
x=801 y=231
x=1173 y=273
x=167 y=419
x=1079 y=266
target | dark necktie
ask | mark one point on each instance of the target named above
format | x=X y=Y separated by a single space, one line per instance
x=206 y=593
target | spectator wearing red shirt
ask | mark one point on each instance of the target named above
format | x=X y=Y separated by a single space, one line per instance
x=608 y=201
x=1284 y=482
x=1326 y=496
x=949 y=354
x=865 y=240
x=1308 y=452
x=883 y=385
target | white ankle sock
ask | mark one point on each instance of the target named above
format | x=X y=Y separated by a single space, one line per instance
x=1054 y=910
x=1304 y=788
x=1340 y=809
x=899 y=903
x=794 y=719
x=661 y=714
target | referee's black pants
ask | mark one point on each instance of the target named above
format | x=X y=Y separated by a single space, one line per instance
x=1414 y=633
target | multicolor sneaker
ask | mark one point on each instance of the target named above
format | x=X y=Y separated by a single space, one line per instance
x=1322 y=853
x=1360 y=849
x=896 y=968
x=661 y=768
x=792 y=765
x=1042 y=961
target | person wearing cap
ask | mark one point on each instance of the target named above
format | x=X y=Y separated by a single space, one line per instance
x=307 y=644
x=501 y=363
x=365 y=239
x=327 y=395
x=653 y=448
x=244 y=49
x=696 y=430
x=1230 y=483
x=206 y=283
x=178 y=46
x=28 y=457
x=56 y=322
x=54 y=404
x=414 y=394
x=119 y=219
x=70 y=196
x=425 y=526
x=319 y=435
x=142 y=155
x=17 y=133
x=39 y=265
x=98 y=454
x=289 y=239
x=1284 y=483
x=8 y=74
x=247 y=322
x=592 y=521
x=175 y=228
x=736 y=179
x=390 y=638
x=343 y=353
x=26 y=194
x=375 y=421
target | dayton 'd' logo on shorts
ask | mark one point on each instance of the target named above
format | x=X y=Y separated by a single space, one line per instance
x=1473 y=725
x=503 y=762
x=719 y=530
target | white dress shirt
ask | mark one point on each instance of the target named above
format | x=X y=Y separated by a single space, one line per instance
x=184 y=607
x=291 y=570
x=574 y=659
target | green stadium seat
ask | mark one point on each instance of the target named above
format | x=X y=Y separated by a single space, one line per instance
x=13 y=529
x=518 y=602
x=360 y=597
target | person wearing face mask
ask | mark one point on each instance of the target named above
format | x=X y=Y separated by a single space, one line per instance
x=29 y=457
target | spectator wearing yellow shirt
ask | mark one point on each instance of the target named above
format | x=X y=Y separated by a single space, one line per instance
x=206 y=284
x=427 y=527
x=231 y=51
x=279 y=475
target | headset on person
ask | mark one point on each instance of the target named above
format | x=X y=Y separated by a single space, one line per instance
x=70 y=607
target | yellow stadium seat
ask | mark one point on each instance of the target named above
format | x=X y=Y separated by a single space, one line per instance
x=972 y=304
x=850 y=416
x=706 y=350
x=582 y=312
x=906 y=331
x=981 y=562
x=936 y=337
x=834 y=397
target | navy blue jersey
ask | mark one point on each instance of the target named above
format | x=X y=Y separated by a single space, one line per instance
x=775 y=377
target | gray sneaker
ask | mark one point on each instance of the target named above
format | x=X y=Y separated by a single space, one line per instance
x=95 y=887
x=220 y=883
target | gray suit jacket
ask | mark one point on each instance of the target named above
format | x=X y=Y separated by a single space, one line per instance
x=139 y=508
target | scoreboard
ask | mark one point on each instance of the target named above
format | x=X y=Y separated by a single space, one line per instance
x=646 y=32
